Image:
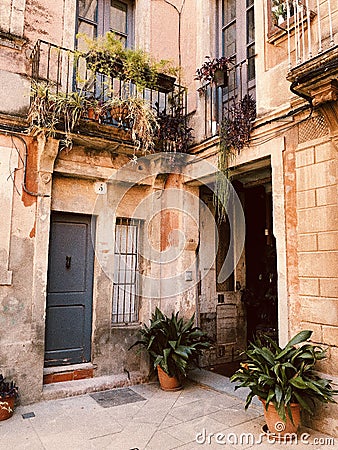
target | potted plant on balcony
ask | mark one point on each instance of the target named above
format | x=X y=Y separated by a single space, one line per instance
x=173 y=345
x=108 y=56
x=214 y=70
x=8 y=395
x=135 y=114
x=284 y=380
x=49 y=109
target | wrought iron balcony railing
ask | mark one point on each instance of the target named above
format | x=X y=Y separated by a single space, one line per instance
x=311 y=27
x=66 y=71
x=219 y=102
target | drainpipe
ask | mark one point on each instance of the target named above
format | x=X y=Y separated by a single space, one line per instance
x=24 y=161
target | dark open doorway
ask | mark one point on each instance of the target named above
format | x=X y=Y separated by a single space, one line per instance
x=260 y=295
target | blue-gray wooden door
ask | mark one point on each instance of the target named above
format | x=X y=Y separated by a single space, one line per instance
x=69 y=290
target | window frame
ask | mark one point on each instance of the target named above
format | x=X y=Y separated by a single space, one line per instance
x=103 y=10
x=239 y=84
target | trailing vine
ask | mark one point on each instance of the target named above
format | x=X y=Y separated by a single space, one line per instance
x=235 y=130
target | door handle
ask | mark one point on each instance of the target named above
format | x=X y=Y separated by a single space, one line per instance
x=68 y=262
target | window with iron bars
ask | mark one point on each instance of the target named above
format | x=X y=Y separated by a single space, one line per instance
x=126 y=288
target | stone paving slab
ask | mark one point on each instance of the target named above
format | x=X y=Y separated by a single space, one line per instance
x=197 y=417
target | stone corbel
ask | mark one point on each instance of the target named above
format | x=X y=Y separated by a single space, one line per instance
x=326 y=92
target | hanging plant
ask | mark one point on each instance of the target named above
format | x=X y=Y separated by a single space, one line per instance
x=50 y=110
x=135 y=114
x=56 y=111
x=235 y=130
x=214 y=70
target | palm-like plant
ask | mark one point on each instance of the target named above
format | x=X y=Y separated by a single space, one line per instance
x=172 y=343
x=282 y=376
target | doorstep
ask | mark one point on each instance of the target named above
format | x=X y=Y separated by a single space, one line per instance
x=59 y=374
x=72 y=388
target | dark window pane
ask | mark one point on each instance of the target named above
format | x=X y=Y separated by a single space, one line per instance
x=249 y=3
x=229 y=11
x=89 y=30
x=229 y=40
x=250 y=24
x=251 y=62
x=88 y=9
x=118 y=17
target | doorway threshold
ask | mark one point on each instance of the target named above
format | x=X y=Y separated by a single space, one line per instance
x=80 y=387
x=58 y=374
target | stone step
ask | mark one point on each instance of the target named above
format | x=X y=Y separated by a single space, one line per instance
x=72 y=388
x=58 y=374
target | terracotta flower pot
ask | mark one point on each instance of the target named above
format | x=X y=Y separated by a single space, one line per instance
x=168 y=383
x=275 y=423
x=120 y=113
x=7 y=407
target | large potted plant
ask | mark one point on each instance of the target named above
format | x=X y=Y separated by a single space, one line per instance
x=8 y=395
x=284 y=380
x=173 y=345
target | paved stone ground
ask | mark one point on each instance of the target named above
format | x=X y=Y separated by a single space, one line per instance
x=163 y=420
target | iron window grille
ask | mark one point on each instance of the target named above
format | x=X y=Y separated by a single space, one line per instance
x=126 y=287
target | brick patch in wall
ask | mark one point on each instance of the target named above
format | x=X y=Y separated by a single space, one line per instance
x=79 y=374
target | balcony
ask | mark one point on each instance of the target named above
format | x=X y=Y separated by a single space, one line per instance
x=312 y=40
x=219 y=102
x=67 y=76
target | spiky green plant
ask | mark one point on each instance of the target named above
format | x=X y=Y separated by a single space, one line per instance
x=284 y=375
x=173 y=344
x=7 y=388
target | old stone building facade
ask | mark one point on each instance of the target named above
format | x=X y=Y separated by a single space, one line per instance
x=69 y=215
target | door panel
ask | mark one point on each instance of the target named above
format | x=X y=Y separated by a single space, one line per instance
x=69 y=290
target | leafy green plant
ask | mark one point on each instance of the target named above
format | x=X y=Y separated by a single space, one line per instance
x=172 y=343
x=279 y=10
x=50 y=109
x=136 y=114
x=107 y=55
x=41 y=112
x=7 y=389
x=235 y=131
x=284 y=375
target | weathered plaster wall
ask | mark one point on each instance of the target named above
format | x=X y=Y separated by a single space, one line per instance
x=21 y=333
